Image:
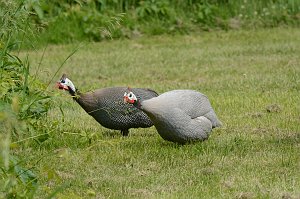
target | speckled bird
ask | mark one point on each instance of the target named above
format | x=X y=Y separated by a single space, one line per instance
x=106 y=106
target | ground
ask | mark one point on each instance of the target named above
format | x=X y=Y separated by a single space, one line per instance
x=252 y=78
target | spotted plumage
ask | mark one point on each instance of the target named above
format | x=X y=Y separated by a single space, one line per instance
x=107 y=107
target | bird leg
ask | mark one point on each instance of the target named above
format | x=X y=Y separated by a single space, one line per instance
x=125 y=132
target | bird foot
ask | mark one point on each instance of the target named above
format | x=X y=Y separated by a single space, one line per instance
x=125 y=132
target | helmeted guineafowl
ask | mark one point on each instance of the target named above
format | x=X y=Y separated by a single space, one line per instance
x=107 y=107
x=179 y=116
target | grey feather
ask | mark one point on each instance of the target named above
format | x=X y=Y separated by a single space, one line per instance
x=181 y=115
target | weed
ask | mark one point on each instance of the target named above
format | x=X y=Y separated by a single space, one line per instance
x=67 y=21
x=24 y=103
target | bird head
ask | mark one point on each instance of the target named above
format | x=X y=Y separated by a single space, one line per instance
x=130 y=97
x=65 y=84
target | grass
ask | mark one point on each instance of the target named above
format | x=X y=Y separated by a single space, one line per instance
x=252 y=79
x=68 y=21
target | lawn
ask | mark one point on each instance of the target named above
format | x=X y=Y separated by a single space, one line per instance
x=252 y=79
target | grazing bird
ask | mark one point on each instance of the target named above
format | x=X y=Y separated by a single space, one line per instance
x=179 y=116
x=107 y=107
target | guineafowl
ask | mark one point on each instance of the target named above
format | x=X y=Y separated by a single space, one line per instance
x=179 y=116
x=107 y=107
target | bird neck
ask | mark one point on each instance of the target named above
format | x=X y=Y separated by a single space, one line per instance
x=137 y=104
x=72 y=92
x=75 y=94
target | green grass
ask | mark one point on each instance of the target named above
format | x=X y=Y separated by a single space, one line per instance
x=254 y=155
x=65 y=21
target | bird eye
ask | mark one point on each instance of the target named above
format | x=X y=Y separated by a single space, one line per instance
x=63 y=81
x=130 y=95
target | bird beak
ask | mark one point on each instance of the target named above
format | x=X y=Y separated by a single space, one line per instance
x=127 y=100
x=62 y=86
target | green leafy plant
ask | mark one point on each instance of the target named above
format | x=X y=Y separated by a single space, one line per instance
x=67 y=21
x=16 y=181
x=154 y=8
x=24 y=102
x=206 y=14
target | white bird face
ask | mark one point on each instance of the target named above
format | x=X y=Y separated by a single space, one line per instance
x=65 y=84
x=129 y=97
